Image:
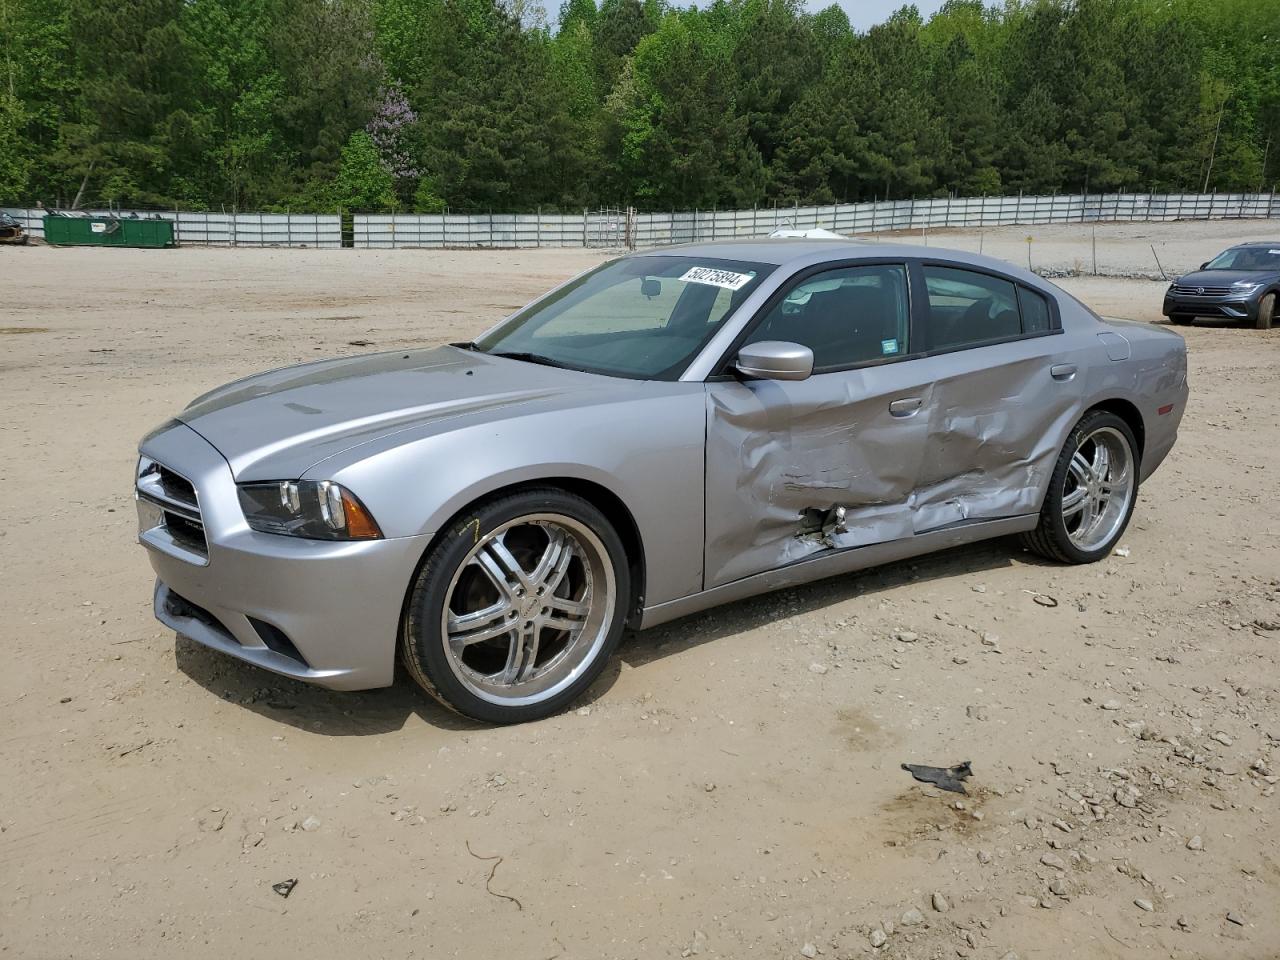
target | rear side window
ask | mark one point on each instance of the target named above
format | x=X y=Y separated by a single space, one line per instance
x=969 y=308
x=1035 y=311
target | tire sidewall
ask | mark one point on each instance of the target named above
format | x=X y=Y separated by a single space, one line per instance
x=1266 y=312
x=1053 y=500
x=426 y=602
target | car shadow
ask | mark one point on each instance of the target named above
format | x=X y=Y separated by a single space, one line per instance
x=719 y=622
x=332 y=713
x=372 y=712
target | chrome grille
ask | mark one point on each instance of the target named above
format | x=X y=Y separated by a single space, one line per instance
x=1198 y=291
x=177 y=515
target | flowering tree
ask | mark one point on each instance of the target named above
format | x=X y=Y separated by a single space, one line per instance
x=391 y=129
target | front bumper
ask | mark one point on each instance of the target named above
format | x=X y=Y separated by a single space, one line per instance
x=324 y=612
x=1230 y=307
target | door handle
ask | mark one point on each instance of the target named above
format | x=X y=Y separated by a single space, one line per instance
x=905 y=407
x=1062 y=371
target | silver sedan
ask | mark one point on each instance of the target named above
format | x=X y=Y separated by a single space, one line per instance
x=664 y=433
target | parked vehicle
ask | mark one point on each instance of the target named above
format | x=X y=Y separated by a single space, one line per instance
x=11 y=230
x=1241 y=283
x=664 y=433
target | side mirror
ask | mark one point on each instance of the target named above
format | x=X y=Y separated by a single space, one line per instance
x=775 y=360
x=650 y=287
x=1205 y=265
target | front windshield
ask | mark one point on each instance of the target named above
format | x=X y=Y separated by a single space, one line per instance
x=1247 y=258
x=640 y=317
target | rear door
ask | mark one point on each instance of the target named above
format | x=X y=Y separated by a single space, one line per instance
x=781 y=455
x=1004 y=387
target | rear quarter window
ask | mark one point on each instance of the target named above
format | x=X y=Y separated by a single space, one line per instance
x=1036 y=317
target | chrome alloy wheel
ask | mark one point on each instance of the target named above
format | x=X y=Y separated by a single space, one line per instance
x=1098 y=489
x=528 y=609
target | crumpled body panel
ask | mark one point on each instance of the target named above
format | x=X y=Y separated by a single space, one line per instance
x=781 y=457
x=994 y=437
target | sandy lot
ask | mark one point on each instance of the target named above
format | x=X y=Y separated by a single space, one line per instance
x=715 y=795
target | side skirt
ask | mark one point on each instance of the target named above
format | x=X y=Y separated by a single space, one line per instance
x=836 y=563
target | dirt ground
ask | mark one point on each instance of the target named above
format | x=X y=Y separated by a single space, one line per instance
x=730 y=788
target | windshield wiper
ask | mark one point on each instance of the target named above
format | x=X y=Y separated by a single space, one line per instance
x=531 y=358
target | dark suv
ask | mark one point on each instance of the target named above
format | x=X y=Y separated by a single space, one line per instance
x=1240 y=283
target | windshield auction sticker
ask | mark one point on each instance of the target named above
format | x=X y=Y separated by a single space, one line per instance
x=717 y=278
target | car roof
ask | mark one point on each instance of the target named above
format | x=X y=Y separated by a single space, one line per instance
x=1256 y=243
x=804 y=252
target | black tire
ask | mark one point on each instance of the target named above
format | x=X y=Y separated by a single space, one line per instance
x=1050 y=538
x=422 y=647
x=1181 y=320
x=1266 y=312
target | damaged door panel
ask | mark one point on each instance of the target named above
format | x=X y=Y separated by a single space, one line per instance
x=785 y=458
x=994 y=431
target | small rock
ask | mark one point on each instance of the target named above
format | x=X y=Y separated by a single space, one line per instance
x=1146 y=905
x=65 y=700
x=818 y=668
x=285 y=887
x=1053 y=860
x=1122 y=551
x=984 y=856
x=1195 y=843
x=1058 y=887
x=1010 y=956
x=1062 y=825
x=990 y=640
x=809 y=951
x=940 y=903
x=1221 y=738
x=1184 y=923
x=959 y=661
x=906 y=636
x=709 y=787
x=1112 y=705
x=976 y=713
x=878 y=938
x=311 y=824
x=699 y=941
x=584 y=711
x=911 y=918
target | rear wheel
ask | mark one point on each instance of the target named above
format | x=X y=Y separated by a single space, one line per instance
x=1091 y=494
x=1266 y=312
x=518 y=607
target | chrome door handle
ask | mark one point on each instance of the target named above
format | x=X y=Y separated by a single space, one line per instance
x=905 y=407
x=1062 y=371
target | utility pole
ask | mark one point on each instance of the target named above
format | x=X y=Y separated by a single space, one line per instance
x=1214 y=151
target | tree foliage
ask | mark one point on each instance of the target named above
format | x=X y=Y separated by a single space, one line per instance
x=476 y=105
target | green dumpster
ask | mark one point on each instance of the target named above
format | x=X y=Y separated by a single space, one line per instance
x=107 y=232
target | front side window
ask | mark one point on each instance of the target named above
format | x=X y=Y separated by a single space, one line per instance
x=968 y=308
x=848 y=316
x=639 y=317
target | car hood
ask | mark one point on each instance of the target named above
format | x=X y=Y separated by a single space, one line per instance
x=274 y=425
x=1224 y=278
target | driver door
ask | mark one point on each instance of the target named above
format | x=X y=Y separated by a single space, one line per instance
x=781 y=455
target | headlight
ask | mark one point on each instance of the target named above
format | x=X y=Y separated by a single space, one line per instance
x=1246 y=285
x=315 y=509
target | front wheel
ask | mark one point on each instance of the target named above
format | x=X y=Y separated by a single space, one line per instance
x=1266 y=312
x=1091 y=494
x=518 y=607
